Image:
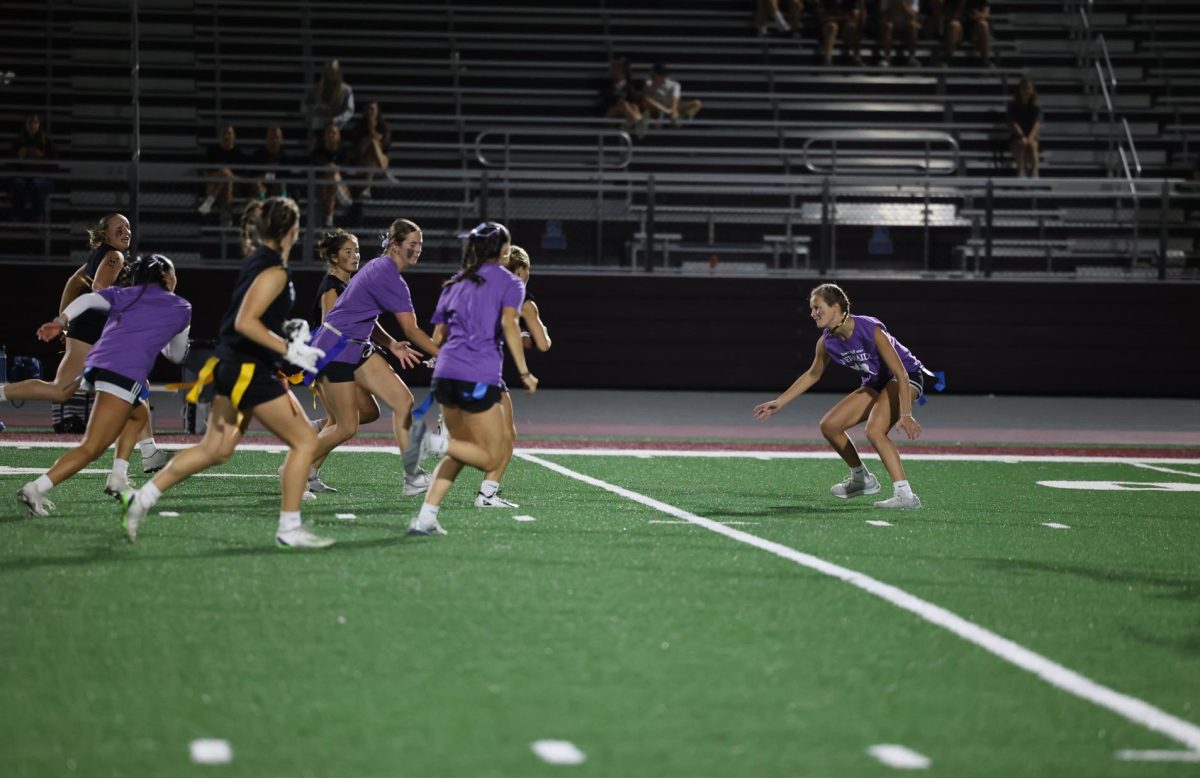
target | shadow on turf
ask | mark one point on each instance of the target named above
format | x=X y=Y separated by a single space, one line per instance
x=716 y=513
x=1185 y=589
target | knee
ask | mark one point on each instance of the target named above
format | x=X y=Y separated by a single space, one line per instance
x=63 y=393
x=830 y=429
x=217 y=455
x=368 y=414
x=876 y=434
x=344 y=430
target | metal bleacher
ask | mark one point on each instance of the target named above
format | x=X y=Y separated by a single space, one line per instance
x=790 y=165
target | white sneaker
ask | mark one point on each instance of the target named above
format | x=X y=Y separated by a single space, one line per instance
x=207 y=205
x=433 y=444
x=34 y=501
x=902 y=502
x=301 y=537
x=115 y=484
x=495 y=501
x=852 y=487
x=308 y=495
x=156 y=461
x=418 y=528
x=417 y=484
x=132 y=513
x=316 y=486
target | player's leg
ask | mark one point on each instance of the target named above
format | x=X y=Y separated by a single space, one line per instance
x=476 y=439
x=66 y=378
x=489 y=490
x=884 y=415
x=851 y=410
x=284 y=418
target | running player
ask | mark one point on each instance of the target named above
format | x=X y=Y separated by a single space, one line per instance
x=108 y=241
x=354 y=362
x=251 y=343
x=891 y=379
x=477 y=305
x=141 y=320
x=536 y=335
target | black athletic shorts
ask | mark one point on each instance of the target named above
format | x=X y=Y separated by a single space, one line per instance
x=343 y=372
x=916 y=379
x=97 y=379
x=472 y=398
x=247 y=384
x=87 y=326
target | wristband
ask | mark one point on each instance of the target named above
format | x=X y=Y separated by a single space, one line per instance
x=62 y=322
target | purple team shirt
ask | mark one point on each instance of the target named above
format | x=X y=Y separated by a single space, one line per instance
x=138 y=328
x=473 y=350
x=858 y=352
x=376 y=288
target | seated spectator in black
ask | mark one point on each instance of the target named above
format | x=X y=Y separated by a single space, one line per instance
x=370 y=138
x=28 y=191
x=660 y=97
x=223 y=161
x=329 y=154
x=332 y=99
x=272 y=154
x=619 y=99
x=1024 y=124
x=767 y=11
x=901 y=14
x=967 y=17
x=846 y=17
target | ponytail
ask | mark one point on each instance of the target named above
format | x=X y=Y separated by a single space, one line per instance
x=484 y=243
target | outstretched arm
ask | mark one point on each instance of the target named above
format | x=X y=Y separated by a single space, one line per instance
x=408 y=323
x=90 y=301
x=766 y=410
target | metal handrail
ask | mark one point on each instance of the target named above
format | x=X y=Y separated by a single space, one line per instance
x=925 y=136
x=1112 y=73
x=1104 y=88
x=601 y=149
x=1137 y=163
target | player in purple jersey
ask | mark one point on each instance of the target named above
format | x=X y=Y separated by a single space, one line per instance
x=891 y=379
x=478 y=308
x=535 y=335
x=353 y=359
x=104 y=267
x=143 y=319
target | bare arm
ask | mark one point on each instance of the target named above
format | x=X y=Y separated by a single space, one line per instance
x=415 y=335
x=76 y=285
x=327 y=300
x=889 y=357
x=512 y=338
x=537 y=329
x=440 y=332
x=110 y=268
x=766 y=410
x=258 y=298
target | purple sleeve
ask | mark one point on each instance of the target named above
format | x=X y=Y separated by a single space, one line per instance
x=439 y=313
x=395 y=296
x=110 y=293
x=514 y=294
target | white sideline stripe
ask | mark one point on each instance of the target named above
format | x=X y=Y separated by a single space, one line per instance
x=1158 y=756
x=1053 y=673
x=1055 y=525
x=6 y=470
x=880 y=523
x=1123 y=486
x=345 y=516
x=168 y=514
x=660 y=521
x=899 y=757
x=523 y=517
x=1165 y=469
x=913 y=454
x=558 y=752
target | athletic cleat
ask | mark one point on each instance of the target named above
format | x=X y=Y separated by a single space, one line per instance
x=156 y=461
x=301 y=537
x=417 y=484
x=495 y=501
x=132 y=513
x=902 y=502
x=116 y=484
x=420 y=529
x=316 y=486
x=308 y=496
x=852 y=487
x=34 y=501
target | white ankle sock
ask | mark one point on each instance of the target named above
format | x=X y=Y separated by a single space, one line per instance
x=902 y=488
x=148 y=495
x=439 y=444
x=121 y=468
x=289 y=520
x=489 y=488
x=429 y=513
x=859 y=473
x=43 y=483
x=147 y=447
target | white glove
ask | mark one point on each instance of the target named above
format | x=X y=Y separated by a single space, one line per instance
x=296 y=330
x=303 y=355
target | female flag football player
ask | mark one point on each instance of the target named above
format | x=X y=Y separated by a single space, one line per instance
x=891 y=379
x=477 y=306
x=142 y=320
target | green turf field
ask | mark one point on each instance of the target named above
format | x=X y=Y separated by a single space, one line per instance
x=656 y=645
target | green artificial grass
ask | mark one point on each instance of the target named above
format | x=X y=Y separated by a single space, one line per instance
x=659 y=649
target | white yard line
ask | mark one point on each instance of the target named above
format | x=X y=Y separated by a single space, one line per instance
x=1131 y=708
x=899 y=757
x=1156 y=468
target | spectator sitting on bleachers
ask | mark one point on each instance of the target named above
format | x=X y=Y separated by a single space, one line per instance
x=965 y=17
x=27 y=191
x=846 y=17
x=370 y=138
x=903 y=14
x=767 y=11
x=619 y=99
x=660 y=97
x=1024 y=124
x=222 y=160
x=330 y=154
x=332 y=100
x=271 y=153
